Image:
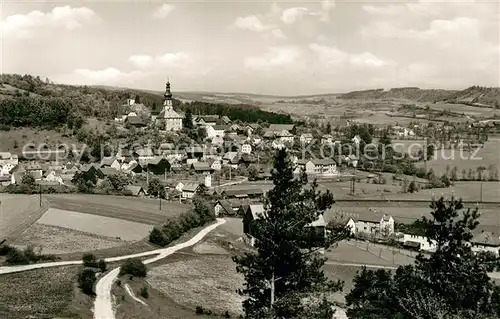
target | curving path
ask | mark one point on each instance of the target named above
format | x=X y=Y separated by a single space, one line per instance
x=103 y=305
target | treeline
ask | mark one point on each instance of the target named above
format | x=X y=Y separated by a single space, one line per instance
x=48 y=112
x=107 y=103
x=242 y=112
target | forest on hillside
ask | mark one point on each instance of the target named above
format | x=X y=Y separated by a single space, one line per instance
x=41 y=103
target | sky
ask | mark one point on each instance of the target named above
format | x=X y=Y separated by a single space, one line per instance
x=280 y=48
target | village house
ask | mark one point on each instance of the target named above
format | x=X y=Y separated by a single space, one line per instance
x=278 y=128
x=327 y=139
x=223 y=208
x=135 y=121
x=143 y=154
x=201 y=168
x=6 y=169
x=343 y=220
x=306 y=138
x=400 y=131
x=278 y=144
x=7 y=158
x=171 y=120
x=216 y=130
x=189 y=190
x=318 y=167
x=111 y=162
x=246 y=148
x=136 y=191
x=231 y=159
x=257 y=211
x=416 y=241
x=53 y=176
x=214 y=164
x=204 y=120
x=285 y=136
x=157 y=165
x=486 y=242
x=356 y=140
x=375 y=223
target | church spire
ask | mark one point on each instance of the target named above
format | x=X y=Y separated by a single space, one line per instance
x=168 y=94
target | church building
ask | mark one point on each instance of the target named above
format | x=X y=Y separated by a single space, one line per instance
x=172 y=120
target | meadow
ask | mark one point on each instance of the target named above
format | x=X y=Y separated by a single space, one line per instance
x=94 y=224
x=17 y=212
x=487 y=155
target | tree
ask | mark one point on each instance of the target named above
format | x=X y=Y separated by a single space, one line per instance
x=429 y=151
x=412 y=188
x=86 y=280
x=187 y=121
x=453 y=173
x=451 y=283
x=28 y=180
x=134 y=267
x=253 y=173
x=137 y=99
x=117 y=181
x=286 y=268
x=155 y=188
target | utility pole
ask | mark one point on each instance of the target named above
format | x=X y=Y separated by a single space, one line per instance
x=272 y=291
x=425 y=156
x=160 y=200
x=165 y=174
x=40 y=195
x=147 y=176
x=481 y=193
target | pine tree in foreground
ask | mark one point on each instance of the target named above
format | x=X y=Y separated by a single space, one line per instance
x=284 y=276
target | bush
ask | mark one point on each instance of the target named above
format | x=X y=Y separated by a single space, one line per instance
x=102 y=265
x=134 y=267
x=89 y=260
x=5 y=249
x=16 y=257
x=144 y=292
x=86 y=281
x=157 y=237
x=199 y=310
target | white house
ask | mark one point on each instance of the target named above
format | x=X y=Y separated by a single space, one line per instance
x=356 y=140
x=53 y=176
x=400 y=131
x=8 y=158
x=6 y=168
x=321 y=167
x=306 y=138
x=112 y=162
x=223 y=208
x=215 y=130
x=216 y=165
x=179 y=187
x=375 y=224
x=278 y=144
x=246 y=148
x=144 y=154
x=423 y=241
x=486 y=241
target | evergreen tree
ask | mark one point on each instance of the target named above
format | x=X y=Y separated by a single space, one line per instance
x=187 y=121
x=286 y=268
x=137 y=99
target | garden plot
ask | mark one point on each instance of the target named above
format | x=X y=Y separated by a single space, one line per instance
x=94 y=224
x=59 y=240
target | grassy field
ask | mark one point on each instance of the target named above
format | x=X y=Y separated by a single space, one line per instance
x=23 y=136
x=341 y=190
x=94 y=224
x=140 y=210
x=60 y=240
x=42 y=293
x=487 y=155
x=17 y=212
x=463 y=108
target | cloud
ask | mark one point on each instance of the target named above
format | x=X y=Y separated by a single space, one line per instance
x=290 y=15
x=163 y=11
x=334 y=57
x=107 y=76
x=252 y=23
x=169 y=60
x=277 y=33
x=30 y=24
x=141 y=60
x=326 y=7
x=275 y=57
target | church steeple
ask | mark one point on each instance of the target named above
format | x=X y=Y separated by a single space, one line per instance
x=168 y=94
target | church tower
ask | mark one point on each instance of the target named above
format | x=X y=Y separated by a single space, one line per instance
x=172 y=120
x=167 y=101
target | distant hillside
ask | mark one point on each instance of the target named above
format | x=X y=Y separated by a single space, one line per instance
x=474 y=95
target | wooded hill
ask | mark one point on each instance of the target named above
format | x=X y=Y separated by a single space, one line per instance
x=474 y=95
x=26 y=100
